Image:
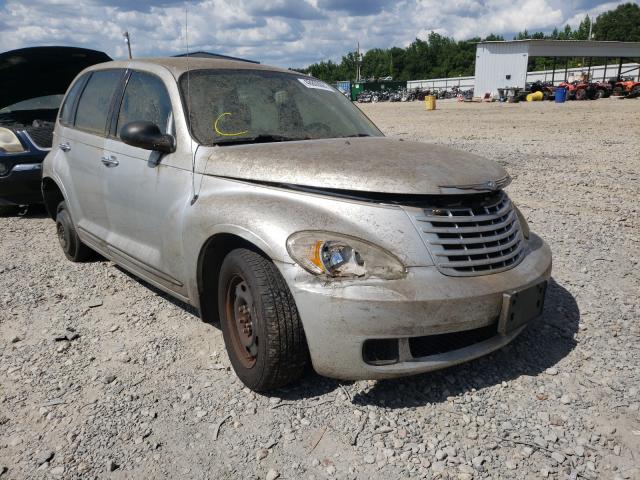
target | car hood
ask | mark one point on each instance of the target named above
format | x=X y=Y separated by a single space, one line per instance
x=39 y=71
x=375 y=164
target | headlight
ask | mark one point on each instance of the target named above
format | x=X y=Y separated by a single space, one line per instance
x=9 y=142
x=342 y=256
x=523 y=223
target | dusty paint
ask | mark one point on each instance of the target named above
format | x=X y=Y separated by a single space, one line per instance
x=155 y=229
x=374 y=164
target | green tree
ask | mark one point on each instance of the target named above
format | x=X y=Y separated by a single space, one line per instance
x=582 y=32
x=622 y=24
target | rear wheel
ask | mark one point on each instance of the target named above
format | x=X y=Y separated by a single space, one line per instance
x=581 y=94
x=72 y=246
x=600 y=93
x=260 y=323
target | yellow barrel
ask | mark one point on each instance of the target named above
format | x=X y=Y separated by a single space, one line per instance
x=535 y=97
x=430 y=102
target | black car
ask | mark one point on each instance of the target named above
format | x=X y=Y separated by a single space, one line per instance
x=32 y=84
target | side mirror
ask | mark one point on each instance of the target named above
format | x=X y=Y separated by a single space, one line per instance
x=147 y=135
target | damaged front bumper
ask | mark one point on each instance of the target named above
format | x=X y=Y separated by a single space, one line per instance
x=426 y=321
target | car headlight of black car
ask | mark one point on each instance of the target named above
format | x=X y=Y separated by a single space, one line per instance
x=9 y=142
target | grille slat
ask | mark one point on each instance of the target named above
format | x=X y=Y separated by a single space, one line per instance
x=474 y=234
x=479 y=251
x=475 y=263
x=471 y=217
x=474 y=240
x=501 y=223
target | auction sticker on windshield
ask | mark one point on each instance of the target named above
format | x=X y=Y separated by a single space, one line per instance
x=312 y=83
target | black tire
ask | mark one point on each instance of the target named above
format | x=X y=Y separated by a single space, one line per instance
x=9 y=210
x=600 y=93
x=272 y=351
x=72 y=246
x=581 y=94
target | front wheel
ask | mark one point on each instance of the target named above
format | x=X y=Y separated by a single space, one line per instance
x=72 y=246
x=260 y=323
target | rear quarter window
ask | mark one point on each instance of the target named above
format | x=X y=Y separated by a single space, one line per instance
x=95 y=101
x=68 y=107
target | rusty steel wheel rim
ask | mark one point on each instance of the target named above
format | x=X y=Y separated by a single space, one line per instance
x=62 y=238
x=241 y=321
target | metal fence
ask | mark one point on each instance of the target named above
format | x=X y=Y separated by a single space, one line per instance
x=598 y=73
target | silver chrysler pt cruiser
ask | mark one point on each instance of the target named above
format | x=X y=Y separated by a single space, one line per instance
x=264 y=198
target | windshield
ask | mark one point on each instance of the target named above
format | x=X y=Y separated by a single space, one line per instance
x=47 y=102
x=243 y=106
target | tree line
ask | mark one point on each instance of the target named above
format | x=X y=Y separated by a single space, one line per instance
x=440 y=56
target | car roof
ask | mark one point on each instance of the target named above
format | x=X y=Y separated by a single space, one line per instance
x=179 y=65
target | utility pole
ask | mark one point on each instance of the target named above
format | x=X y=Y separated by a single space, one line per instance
x=358 y=62
x=127 y=40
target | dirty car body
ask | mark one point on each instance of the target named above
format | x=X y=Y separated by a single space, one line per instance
x=32 y=84
x=399 y=257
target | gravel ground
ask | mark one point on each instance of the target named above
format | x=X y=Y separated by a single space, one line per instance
x=102 y=376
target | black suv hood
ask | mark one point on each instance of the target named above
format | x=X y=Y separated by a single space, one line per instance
x=38 y=71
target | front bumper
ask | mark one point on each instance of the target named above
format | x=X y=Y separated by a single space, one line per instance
x=338 y=317
x=21 y=186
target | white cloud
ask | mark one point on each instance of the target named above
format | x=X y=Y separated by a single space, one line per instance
x=281 y=32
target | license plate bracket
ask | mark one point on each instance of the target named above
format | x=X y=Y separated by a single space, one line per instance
x=520 y=307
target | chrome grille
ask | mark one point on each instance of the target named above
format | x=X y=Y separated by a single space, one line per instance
x=472 y=234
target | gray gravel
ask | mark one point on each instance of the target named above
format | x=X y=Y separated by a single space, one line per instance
x=102 y=376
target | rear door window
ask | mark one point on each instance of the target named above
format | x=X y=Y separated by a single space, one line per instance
x=95 y=102
x=145 y=99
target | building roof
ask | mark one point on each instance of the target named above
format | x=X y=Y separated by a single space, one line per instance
x=566 y=48
x=563 y=42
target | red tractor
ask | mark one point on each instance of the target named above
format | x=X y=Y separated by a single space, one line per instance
x=585 y=90
x=603 y=89
x=625 y=87
x=579 y=90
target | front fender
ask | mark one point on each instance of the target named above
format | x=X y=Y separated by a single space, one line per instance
x=266 y=216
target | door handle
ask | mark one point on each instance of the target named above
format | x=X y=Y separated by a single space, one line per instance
x=65 y=147
x=109 y=161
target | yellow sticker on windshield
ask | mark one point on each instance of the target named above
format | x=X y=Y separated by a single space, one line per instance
x=226 y=134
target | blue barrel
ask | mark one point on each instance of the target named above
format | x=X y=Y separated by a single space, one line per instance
x=561 y=95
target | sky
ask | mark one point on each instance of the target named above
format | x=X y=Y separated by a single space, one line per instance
x=285 y=33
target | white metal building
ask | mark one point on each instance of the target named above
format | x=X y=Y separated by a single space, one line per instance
x=503 y=64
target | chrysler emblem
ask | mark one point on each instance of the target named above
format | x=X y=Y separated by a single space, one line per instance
x=491 y=185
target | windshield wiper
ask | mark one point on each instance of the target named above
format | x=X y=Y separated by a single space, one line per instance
x=260 y=139
x=357 y=135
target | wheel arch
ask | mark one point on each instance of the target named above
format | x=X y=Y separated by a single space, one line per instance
x=52 y=195
x=212 y=254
